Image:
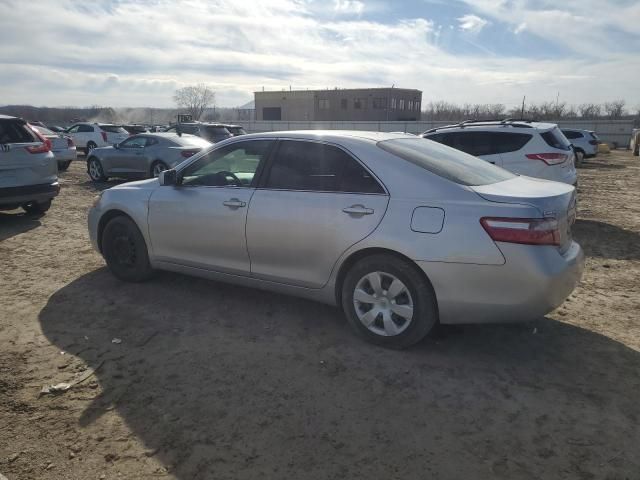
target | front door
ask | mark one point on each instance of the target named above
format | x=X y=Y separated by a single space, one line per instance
x=201 y=222
x=129 y=157
x=315 y=202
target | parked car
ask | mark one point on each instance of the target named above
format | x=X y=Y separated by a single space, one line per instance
x=538 y=150
x=634 y=144
x=235 y=130
x=142 y=156
x=62 y=146
x=214 y=132
x=398 y=231
x=91 y=135
x=134 y=129
x=56 y=128
x=585 y=143
x=28 y=169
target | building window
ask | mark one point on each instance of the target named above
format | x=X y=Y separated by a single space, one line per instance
x=417 y=106
x=410 y=107
x=393 y=104
x=359 y=103
x=344 y=103
x=323 y=104
x=401 y=104
x=380 y=103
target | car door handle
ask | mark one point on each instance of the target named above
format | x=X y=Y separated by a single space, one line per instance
x=234 y=203
x=358 y=210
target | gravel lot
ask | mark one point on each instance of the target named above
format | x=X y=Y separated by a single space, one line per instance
x=215 y=381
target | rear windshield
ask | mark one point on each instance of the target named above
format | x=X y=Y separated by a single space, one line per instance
x=594 y=136
x=556 y=139
x=113 y=129
x=42 y=130
x=236 y=130
x=219 y=131
x=15 y=131
x=446 y=162
x=187 y=140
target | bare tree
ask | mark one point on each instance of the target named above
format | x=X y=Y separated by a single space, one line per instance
x=614 y=109
x=590 y=110
x=195 y=99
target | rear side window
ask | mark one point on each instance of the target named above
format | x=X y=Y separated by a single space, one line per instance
x=554 y=138
x=446 y=162
x=594 y=136
x=113 y=129
x=571 y=135
x=217 y=131
x=12 y=131
x=85 y=128
x=318 y=167
x=478 y=143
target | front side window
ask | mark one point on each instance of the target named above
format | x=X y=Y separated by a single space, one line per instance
x=73 y=129
x=134 y=142
x=311 y=166
x=445 y=162
x=234 y=165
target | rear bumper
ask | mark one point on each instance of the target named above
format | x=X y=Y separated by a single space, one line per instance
x=15 y=196
x=65 y=155
x=533 y=281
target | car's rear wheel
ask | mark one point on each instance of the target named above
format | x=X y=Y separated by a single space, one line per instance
x=388 y=301
x=125 y=250
x=37 y=208
x=90 y=146
x=579 y=158
x=157 y=167
x=636 y=151
x=95 y=170
x=63 y=166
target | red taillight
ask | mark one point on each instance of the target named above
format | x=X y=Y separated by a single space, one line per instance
x=104 y=136
x=44 y=148
x=70 y=142
x=593 y=142
x=188 y=153
x=529 y=231
x=548 y=158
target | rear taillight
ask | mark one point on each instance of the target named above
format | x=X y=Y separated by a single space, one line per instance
x=529 y=231
x=548 y=158
x=44 y=148
x=593 y=142
x=70 y=142
x=104 y=136
x=188 y=153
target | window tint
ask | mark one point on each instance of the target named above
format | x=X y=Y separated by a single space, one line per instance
x=42 y=130
x=85 y=128
x=483 y=143
x=73 y=129
x=113 y=129
x=234 y=165
x=218 y=131
x=570 y=134
x=446 y=162
x=318 y=167
x=14 y=131
x=556 y=139
x=134 y=142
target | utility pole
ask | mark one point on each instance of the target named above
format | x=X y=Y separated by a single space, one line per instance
x=522 y=112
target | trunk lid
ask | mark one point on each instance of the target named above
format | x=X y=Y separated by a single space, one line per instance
x=551 y=199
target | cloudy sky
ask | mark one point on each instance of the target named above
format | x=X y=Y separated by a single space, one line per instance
x=137 y=52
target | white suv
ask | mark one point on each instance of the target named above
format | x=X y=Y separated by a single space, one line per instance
x=528 y=148
x=585 y=143
x=88 y=136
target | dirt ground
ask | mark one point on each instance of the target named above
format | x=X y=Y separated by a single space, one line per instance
x=212 y=381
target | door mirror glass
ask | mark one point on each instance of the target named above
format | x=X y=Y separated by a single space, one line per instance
x=168 y=178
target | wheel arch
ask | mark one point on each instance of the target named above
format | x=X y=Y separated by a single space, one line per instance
x=355 y=257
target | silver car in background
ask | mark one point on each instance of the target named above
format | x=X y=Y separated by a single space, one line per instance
x=142 y=156
x=399 y=231
x=62 y=146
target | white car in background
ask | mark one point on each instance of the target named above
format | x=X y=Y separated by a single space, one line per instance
x=62 y=146
x=88 y=136
x=534 y=149
x=585 y=143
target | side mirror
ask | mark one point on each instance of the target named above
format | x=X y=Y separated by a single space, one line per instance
x=168 y=178
x=116 y=146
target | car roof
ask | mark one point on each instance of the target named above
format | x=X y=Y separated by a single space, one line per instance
x=8 y=117
x=329 y=135
x=492 y=124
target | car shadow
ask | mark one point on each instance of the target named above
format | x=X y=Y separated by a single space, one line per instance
x=12 y=224
x=591 y=164
x=220 y=381
x=100 y=186
x=599 y=239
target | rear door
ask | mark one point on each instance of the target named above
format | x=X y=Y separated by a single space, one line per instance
x=314 y=201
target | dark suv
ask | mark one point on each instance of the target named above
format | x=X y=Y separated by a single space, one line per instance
x=28 y=169
x=214 y=132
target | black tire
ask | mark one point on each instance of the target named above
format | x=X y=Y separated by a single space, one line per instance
x=636 y=151
x=125 y=251
x=425 y=310
x=157 y=163
x=63 y=166
x=95 y=170
x=580 y=156
x=90 y=146
x=37 y=208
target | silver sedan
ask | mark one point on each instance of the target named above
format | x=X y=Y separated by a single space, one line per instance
x=401 y=232
x=142 y=156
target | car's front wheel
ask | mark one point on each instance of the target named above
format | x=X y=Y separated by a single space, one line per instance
x=158 y=167
x=388 y=301
x=125 y=250
x=95 y=170
x=90 y=146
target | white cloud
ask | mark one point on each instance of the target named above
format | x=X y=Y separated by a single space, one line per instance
x=472 y=23
x=348 y=6
x=520 y=28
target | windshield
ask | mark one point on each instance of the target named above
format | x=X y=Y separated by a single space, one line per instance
x=446 y=162
x=113 y=129
x=42 y=130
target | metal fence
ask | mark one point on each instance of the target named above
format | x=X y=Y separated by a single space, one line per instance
x=610 y=131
